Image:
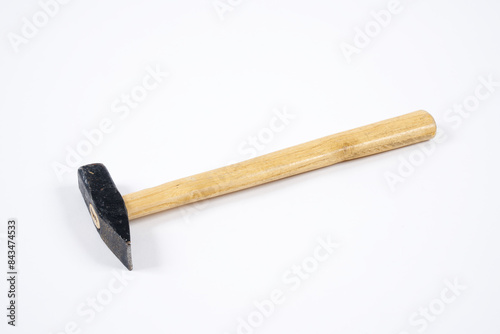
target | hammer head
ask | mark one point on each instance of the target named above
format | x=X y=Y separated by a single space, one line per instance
x=107 y=209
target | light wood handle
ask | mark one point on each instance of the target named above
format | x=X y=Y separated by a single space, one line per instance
x=379 y=137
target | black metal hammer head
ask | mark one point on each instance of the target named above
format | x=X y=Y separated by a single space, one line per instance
x=107 y=209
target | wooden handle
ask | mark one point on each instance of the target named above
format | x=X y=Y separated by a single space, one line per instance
x=379 y=137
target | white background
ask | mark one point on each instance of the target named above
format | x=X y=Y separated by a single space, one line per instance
x=201 y=268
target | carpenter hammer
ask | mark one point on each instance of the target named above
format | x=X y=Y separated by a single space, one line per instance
x=111 y=212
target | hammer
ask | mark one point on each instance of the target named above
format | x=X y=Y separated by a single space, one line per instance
x=111 y=212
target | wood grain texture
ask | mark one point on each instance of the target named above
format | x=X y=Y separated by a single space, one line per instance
x=371 y=139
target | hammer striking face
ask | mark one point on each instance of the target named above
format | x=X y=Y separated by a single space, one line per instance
x=111 y=212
